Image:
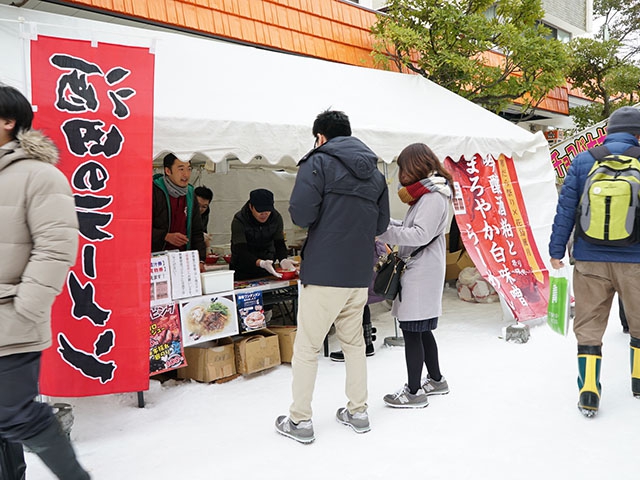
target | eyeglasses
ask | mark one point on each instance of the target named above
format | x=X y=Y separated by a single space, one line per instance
x=315 y=142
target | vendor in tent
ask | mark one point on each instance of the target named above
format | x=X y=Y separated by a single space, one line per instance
x=176 y=222
x=204 y=196
x=257 y=238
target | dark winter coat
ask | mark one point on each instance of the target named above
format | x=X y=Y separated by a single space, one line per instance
x=567 y=208
x=252 y=240
x=342 y=198
x=161 y=219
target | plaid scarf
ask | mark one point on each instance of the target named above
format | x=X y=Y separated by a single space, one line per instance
x=432 y=184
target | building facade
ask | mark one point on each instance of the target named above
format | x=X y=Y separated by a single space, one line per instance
x=334 y=30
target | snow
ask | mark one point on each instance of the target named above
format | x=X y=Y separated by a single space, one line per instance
x=511 y=414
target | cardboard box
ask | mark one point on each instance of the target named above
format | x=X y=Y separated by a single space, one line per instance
x=209 y=361
x=256 y=352
x=286 y=338
x=456 y=261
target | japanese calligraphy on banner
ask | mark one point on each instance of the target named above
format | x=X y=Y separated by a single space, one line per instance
x=494 y=227
x=96 y=102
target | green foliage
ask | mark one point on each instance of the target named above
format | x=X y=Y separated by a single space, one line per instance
x=443 y=40
x=621 y=22
x=604 y=67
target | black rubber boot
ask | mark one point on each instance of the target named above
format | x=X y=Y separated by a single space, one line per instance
x=55 y=450
x=589 y=362
x=12 y=466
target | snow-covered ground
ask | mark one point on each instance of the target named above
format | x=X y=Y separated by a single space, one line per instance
x=511 y=414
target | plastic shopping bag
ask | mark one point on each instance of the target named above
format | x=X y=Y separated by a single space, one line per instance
x=558 y=308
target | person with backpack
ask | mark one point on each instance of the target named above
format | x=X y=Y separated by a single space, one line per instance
x=600 y=198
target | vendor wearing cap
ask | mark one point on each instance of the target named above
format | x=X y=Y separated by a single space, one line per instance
x=257 y=238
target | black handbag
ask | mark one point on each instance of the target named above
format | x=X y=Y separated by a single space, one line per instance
x=389 y=271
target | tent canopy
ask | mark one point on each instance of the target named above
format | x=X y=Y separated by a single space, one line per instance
x=218 y=100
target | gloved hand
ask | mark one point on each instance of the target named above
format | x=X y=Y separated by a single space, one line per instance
x=288 y=264
x=268 y=266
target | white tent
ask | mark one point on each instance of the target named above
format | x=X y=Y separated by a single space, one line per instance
x=218 y=100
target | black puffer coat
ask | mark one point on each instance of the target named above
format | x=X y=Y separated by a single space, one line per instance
x=252 y=240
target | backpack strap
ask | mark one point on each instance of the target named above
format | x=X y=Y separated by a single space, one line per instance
x=632 y=152
x=599 y=152
x=602 y=151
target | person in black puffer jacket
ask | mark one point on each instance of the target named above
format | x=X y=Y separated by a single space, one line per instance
x=257 y=238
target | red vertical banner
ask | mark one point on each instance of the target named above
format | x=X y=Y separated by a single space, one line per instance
x=95 y=101
x=494 y=227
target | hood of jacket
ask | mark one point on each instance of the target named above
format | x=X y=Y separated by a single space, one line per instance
x=31 y=144
x=352 y=153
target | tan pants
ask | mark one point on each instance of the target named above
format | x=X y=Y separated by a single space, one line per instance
x=319 y=308
x=594 y=285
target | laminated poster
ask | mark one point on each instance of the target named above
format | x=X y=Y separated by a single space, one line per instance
x=185 y=274
x=166 y=352
x=250 y=311
x=160 y=280
x=208 y=317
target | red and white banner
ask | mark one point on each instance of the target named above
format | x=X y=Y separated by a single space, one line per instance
x=95 y=101
x=495 y=230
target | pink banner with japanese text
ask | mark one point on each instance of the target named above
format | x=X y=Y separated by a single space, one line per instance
x=495 y=230
x=95 y=101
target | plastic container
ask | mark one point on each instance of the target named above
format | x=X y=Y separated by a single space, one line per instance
x=217 y=281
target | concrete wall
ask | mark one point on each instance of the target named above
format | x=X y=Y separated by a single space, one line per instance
x=573 y=12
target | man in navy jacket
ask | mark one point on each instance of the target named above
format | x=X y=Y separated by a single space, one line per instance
x=600 y=270
x=341 y=197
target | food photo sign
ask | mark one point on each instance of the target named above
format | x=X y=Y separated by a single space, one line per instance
x=251 y=311
x=208 y=317
x=165 y=346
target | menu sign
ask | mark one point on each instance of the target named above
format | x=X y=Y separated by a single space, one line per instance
x=250 y=311
x=165 y=347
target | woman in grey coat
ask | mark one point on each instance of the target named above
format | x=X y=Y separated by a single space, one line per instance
x=425 y=186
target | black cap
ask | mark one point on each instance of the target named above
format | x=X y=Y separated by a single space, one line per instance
x=261 y=199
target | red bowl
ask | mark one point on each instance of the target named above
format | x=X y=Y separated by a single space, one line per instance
x=227 y=258
x=211 y=259
x=287 y=274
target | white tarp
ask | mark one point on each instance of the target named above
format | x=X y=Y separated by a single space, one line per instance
x=225 y=100
x=219 y=100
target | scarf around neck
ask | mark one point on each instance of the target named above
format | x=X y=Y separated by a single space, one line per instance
x=432 y=184
x=174 y=190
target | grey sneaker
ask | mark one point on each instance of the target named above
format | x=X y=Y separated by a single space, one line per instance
x=431 y=387
x=405 y=399
x=301 y=432
x=359 y=421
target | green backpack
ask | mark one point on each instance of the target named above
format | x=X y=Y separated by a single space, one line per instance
x=609 y=210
